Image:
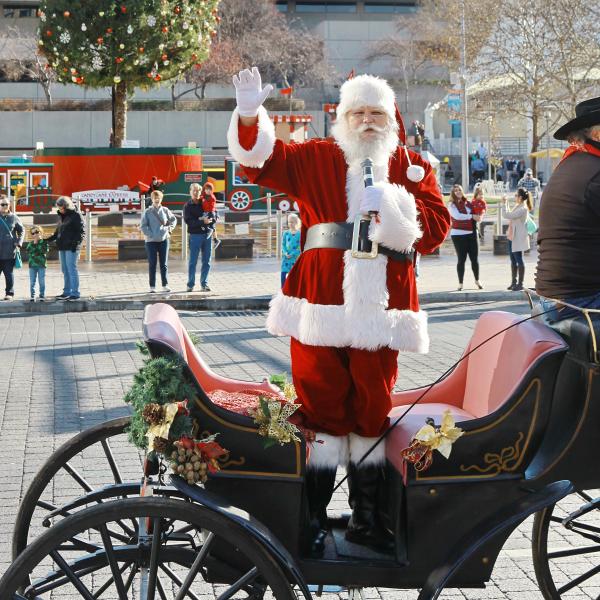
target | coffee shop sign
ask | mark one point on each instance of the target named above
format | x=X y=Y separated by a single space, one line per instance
x=107 y=200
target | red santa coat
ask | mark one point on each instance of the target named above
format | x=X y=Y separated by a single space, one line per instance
x=331 y=298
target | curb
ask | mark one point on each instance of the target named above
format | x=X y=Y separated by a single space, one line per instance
x=260 y=303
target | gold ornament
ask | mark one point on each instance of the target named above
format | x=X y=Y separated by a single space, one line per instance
x=272 y=416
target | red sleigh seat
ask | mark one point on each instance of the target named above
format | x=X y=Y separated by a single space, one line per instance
x=481 y=385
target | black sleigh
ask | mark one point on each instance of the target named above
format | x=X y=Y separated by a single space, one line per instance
x=528 y=401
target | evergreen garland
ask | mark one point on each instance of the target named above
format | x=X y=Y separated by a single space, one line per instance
x=159 y=381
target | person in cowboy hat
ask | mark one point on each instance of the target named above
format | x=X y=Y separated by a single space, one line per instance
x=569 y=229
x=347 y=317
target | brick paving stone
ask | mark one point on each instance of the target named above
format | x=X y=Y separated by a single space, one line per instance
x=66 y=372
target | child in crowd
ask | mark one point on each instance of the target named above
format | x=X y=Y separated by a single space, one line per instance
x=478 y=208
x=209 y=207
x=37 y=251
x=290 y=246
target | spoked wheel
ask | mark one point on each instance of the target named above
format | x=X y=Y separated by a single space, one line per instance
x=95 y=458
x=566 y=546
x=180 y=551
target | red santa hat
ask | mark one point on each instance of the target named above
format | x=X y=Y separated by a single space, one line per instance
x=368 y=90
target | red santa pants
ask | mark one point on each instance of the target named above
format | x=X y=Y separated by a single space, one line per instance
x=344 y=390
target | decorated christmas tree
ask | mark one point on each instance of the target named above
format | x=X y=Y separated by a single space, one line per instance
x=125 y=44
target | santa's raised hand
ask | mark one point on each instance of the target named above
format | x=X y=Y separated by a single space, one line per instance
x=249 y=92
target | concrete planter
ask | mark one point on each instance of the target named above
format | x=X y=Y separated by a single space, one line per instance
x=235 y=248
x=500 y=245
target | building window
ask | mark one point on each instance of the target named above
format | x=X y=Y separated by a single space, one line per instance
x=310 y=7
x=389 y=8
x=14 y=12
x=329 y=7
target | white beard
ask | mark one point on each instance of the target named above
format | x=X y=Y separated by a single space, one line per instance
x=379 y=149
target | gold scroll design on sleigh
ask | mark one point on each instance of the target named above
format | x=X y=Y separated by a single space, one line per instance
x=495 y=463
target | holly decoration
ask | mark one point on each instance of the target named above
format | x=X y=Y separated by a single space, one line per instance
x=161 y=423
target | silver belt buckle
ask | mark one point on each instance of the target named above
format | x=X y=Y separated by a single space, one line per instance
x=356 y=253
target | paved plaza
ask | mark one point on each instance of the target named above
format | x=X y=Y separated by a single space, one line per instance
x=66 y=372
x=107 y=284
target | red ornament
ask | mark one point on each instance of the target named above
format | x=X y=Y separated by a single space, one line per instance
x=100 y=41
x=177 y=10
x=198 y=66
x=194 y=56
x=157 y=78
x=48 y=33
x=218 y=19
x=186 y=442
x=123 y=9
x=109 y=30
x=119 y=59
x=150 y=75
x=165 y=29
x=66 y=14
x=141 y=49
x=164 y=57
x=79 y=80
x=65 y=70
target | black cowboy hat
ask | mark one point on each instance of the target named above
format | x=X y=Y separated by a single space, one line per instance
x=587 y=114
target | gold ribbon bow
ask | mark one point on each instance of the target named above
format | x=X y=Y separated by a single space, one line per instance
x=162 y=429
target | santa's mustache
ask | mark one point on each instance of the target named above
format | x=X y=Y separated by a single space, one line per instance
x=371 y=127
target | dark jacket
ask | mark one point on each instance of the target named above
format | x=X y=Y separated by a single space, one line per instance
x=569 y=230
x=192 y=215
x=11 y=236
x=70 y=232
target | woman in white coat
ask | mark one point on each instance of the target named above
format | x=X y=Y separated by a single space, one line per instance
x=517 y=234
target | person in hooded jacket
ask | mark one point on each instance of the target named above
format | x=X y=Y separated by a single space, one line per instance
x=68 y=237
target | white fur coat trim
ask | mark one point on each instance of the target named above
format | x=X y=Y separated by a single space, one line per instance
x=398 y=227
x=265 y=141
x=356 y=325
x=358 y=446
x=328 y=451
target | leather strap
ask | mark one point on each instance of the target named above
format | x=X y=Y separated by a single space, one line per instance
x=339 y=237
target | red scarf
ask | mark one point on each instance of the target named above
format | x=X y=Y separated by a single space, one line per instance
x=466 y=225
x=577 y=148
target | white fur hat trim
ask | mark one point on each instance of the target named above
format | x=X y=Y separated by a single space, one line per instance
x=367 y=90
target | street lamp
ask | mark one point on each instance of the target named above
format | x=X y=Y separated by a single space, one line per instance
x=549 y=165
x=463 y=85
x=489 y=120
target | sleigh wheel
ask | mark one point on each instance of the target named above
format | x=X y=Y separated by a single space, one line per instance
x=179 y=550
x=566 y=546
x=64 y=476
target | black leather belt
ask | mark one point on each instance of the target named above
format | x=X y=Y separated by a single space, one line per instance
x=339 y=236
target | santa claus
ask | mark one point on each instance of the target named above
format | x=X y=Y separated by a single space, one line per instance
x=347 y=313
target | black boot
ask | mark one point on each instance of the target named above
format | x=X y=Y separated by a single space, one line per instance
x=365 y=527
x=519 y=285
x=319 y=489
x=513 y=272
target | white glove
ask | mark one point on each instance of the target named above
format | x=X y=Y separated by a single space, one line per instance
x=371 y=200
x=249 y=92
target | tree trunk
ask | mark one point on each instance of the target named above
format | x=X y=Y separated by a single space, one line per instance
x=120 y=113
x=535 y=141
x=46 y=86
x=203 y=90
x=173 y=98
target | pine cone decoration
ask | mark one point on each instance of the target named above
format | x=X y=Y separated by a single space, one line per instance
x=153 y=413
x=160 y=445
